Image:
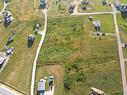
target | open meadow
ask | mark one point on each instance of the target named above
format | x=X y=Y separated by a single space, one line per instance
x=88 y=60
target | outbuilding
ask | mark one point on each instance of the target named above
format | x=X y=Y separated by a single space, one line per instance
x=97 y=25
x=41 y=87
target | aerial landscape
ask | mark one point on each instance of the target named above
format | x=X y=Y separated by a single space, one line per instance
x=63 y=47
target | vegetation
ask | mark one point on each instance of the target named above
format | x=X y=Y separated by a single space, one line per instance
x=17 y=72
x=58 y=8
x=122 y=28
x=57 y=71
x=125 y=52
x=88 y=60
x=96 y=6
x=1 y=5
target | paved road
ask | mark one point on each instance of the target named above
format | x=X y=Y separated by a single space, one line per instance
x=76 y=7
x=5 y=5
x=43 y=33
x=50 y=92
x=122 y=64
x=94 y=13
x=6 y=91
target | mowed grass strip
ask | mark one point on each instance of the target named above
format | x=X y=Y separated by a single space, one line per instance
x=18 y=70
x=125 y=52
x=122 y=23
x=69 y=41
x=1 y=5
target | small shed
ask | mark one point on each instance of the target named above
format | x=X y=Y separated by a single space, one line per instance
x=41 y=87
x=97 y=25
x=95 y=91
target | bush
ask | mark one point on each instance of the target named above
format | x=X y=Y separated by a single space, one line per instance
x=80 y=77
x=67 y=84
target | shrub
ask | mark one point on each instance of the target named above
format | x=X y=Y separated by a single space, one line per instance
x=67 y=84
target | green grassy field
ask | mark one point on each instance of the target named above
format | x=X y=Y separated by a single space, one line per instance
x=55 y=11
x=96 y=6
x=17 y=72
x=122 y=28
x=125 y=52
x=69 y=41
x=1 y=5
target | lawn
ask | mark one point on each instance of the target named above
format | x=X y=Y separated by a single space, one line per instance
x=125 y=52
x=17 y=72
x=123 y=1
x=122 y=28
x=69 y=41
x=1 y=5
x=55 y=10
x=96 y=6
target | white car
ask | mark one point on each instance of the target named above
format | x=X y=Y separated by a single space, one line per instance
x=2 y=59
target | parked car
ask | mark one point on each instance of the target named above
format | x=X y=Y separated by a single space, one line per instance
x=9 y=51
x=2 y=60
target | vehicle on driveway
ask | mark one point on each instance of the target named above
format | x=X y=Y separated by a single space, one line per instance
x=9 y=50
